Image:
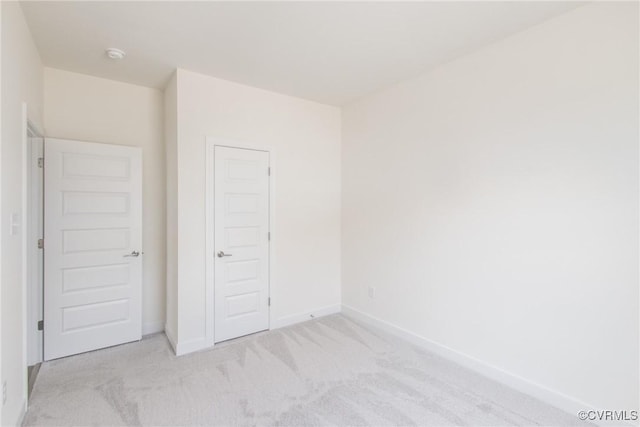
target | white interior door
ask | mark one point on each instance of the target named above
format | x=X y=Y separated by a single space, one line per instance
x=92 y=246
x=241 y=235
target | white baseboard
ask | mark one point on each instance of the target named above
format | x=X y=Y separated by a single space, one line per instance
x=190 y=346
x=149 y=328
x=170 y=337
x=182 y=348
x=308 y=315
x=23 y=413
x=545 y=394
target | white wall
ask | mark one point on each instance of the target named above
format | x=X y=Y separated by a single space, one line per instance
x=93 y=109
x=493 y=204
x=171 y=163
x=21 y=82
x=306 y=238
x=1 y=139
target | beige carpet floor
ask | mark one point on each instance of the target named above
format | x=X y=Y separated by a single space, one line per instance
x=329 y=371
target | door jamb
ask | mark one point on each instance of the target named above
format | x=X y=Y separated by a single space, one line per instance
x=29 y=129
x=211 y=143
x=33 y=218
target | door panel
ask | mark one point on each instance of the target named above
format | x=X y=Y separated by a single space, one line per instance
x=241 y=232
x=93 y=223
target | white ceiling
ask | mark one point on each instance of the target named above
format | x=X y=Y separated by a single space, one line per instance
x=330 y=52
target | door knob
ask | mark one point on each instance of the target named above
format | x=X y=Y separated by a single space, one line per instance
x=221 y=254
x=132 y=254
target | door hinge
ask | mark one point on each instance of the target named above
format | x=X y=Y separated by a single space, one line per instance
x=40 y=243
x=40 y=162
x=269 y=171
x=269 y=301
x=269 y=236
x=41 y=325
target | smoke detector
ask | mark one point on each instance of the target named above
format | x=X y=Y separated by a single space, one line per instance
x=114 y=53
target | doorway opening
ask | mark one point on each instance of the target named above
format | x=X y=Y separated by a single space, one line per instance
x=82 y=210
x=93 y=246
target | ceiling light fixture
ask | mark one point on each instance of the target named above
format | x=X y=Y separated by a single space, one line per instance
x=114 y=53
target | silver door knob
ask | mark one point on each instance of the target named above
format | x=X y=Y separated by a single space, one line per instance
x=132 y=254
x=221 y=254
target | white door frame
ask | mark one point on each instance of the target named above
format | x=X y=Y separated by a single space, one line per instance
x=211 y=143
x=33 y=230
x=24 y=227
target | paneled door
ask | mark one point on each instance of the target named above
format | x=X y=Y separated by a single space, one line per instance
x=241 y=240
x=92 y=246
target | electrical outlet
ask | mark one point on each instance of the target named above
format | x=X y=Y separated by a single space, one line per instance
x=372 y=292
x=4 y=392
